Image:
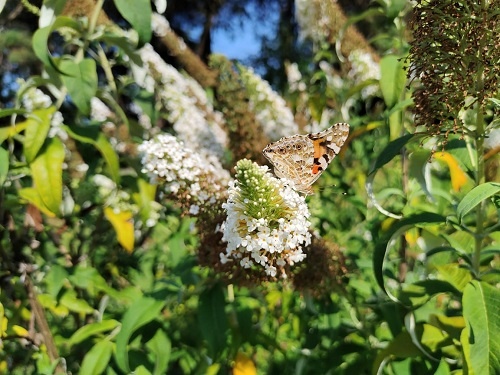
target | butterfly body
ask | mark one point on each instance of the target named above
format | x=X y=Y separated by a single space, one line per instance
x=302 y=158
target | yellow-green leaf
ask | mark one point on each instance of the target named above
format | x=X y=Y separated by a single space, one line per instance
x=46 y=171
x=37 y=128
x=31 y=195
x=123 y=224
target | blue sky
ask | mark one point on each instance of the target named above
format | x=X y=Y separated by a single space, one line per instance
x=243 y=42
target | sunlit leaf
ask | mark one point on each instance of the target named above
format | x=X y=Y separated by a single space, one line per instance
x=37 y=129
x=4 y=165
x=97 y=358
x=123 y=224
x=480 y=308
x=476 y=196
x=46 y=171
x=457 y=175
x=140 y=313
x=138 y=14
x=75 y=304
x=455 y=275
x=20 y=331
x=160 y=346
x=92 y=329
x=392 y=79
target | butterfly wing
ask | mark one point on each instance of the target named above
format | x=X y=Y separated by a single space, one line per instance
x=302 y=158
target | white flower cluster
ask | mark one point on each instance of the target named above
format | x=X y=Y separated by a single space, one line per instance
x=294 y=78
x=185 y=102
x=255 y=235
x=182 y=170
x=313 y=19
x=35 y=98
x=159 y=25
x=270 y=108
x=362 y=69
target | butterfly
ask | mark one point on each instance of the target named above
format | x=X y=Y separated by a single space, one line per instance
x=302 y=158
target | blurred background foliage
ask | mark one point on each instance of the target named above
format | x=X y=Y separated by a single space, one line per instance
x=105 y=272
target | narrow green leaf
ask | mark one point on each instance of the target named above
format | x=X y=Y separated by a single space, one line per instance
x=37 y=129
x=390 y=151
x=11 y=111
x=392 y=79
x=476 y=196
x=81 y=81
x=97 y=359
x=420 y=170
x=4 y=165
x=480 y=308
x=46 y=171
x=92 y=329
x=93 y=135
x=161 y=347
x=384 y=245
x=212 y=319
x=140 y=313
x=138 y=14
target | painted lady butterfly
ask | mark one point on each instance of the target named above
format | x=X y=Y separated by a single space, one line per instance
x=302 y=158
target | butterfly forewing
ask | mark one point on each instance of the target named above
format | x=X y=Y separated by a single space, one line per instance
x=302 y=158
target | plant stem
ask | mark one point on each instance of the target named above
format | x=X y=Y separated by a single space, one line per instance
x=480 y=178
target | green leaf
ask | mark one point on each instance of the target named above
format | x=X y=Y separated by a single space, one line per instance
x=92 y=329
x=92 y=135
x=212 y=319
x=392 y=79
x=138 y=14
x=476 y=196
x=390 y=151
x=46 y=171
x=420 y=170
x=161 y=347
x=12 y=111
x=97 y=359
x=420 y=292
x=55 y=279
x=41 y=37
x=401 y=346
x=37 y=129
x=73 y=303
x=81 y=81
x=384 y=245
x=480 y=308
x=455 y=275
x=4 y=165
x=32 y=196
x=140 y=313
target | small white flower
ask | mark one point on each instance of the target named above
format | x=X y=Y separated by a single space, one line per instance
x=273 y=241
